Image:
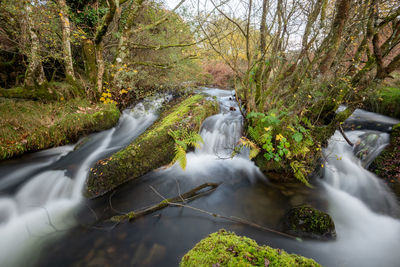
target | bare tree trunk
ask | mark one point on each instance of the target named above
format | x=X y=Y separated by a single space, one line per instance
x=342 y=14
x=66 y=40
x=34 y=72
x=100 y=66
x=260 y=70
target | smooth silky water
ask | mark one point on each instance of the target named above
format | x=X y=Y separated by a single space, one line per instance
x=41 y=192
x=363 y=208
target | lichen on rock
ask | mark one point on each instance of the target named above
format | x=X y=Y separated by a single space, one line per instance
x=151 y=150
x=308 y=222
x=227 y=249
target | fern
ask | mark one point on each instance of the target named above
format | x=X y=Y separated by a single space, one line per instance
x=254 y=149
x=299 y=172
x=184 y=139
x=180 y=156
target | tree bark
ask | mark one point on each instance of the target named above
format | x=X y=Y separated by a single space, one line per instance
x=66 y=41
x=342 y=14
x=34 y=72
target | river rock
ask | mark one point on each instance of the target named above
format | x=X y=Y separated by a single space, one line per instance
x=365 y=145
x=225 y=248
x=306 y=221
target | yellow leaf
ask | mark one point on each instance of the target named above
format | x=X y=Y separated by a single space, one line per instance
x=279 y=137
x=267 y=128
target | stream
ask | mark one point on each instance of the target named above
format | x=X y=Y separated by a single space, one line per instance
x=45 y=221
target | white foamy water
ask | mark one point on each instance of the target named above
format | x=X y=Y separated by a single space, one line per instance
x=47 y=193
x=364 y=209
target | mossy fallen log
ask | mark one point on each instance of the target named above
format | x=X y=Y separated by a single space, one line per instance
x=153 y=149
x=188 y=196
x=227 y=249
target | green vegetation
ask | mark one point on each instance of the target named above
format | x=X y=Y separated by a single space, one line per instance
x=305 y=221
x=385 y=100
x=31 y=125
x=184 y=139
x=227 y=249
x=283 y=139
x=153 y=149
x=387 y=164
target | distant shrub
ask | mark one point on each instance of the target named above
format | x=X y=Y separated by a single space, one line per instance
x=222 y=74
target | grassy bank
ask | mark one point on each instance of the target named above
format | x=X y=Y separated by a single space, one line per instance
x=153 y=149
x=227 y=249
x=32 y=125
x=387 y=164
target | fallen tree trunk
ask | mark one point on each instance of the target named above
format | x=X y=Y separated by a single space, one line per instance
x=188 y=196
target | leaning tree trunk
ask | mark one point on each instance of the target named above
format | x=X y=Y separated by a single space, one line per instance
x=66 y=41
x=334 y=37
x=34 y=72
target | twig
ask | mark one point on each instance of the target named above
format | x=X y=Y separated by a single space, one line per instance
x=188 y=196
x=194 y=193
x=344 y=135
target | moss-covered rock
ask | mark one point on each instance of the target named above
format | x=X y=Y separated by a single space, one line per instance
x=387 y=164
x=27 y=126
x=227 y=249
x=153 y=149
x=305 y=221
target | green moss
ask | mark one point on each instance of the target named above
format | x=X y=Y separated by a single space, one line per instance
x=153 y=149
x=227 y=249
x=47 y=92
x=387 y=164
x=31 y=125
x=305 y=221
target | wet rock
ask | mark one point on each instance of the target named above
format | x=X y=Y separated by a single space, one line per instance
x=306 y=222
x=232 y=109
x=365 y=145
x=156 y=254
x=227 y=249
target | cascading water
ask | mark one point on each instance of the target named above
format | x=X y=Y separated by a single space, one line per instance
x=362 y=207
x=39 y=197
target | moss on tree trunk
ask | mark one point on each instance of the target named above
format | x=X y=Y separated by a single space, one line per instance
x=153 y=149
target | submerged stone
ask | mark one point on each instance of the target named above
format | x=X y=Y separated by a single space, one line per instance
x=227 y=249
x=306 y=221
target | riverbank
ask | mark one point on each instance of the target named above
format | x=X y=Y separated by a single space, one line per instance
x=28 y=125
x=387 y=164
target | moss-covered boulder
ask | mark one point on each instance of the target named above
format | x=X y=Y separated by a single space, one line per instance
x=227 y=249
x=153 y=149
x=387 y=164
x=305 y=221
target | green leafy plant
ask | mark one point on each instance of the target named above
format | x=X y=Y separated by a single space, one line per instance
x=184 y=139
x=282 y=137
